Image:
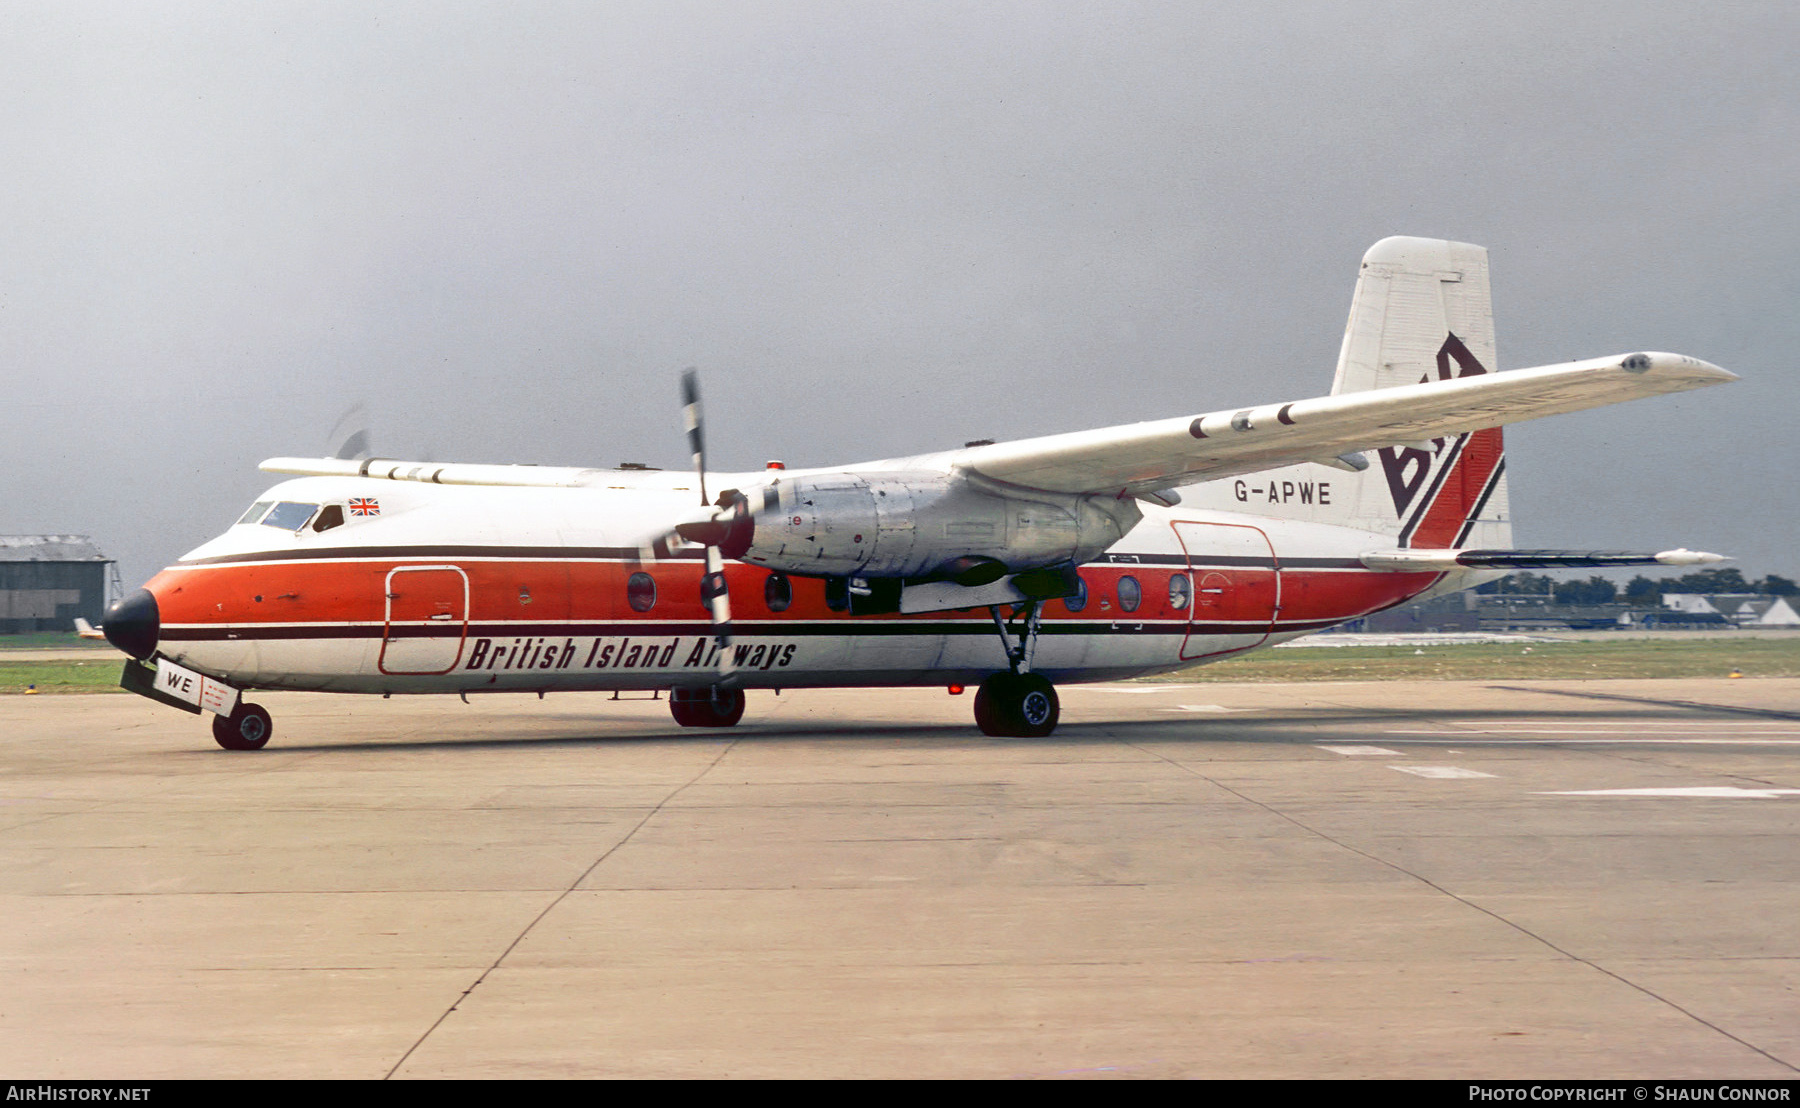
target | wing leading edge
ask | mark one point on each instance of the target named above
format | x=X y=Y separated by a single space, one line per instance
x=1142 y=458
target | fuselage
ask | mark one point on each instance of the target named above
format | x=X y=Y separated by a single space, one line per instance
x=419 y=588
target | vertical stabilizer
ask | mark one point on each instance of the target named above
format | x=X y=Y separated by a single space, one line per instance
x=1422 y=312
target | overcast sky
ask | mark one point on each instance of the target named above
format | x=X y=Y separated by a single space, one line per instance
x=877 y=228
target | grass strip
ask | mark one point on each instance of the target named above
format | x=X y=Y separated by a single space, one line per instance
x=1588 y=660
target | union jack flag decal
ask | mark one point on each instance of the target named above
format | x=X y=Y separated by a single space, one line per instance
x=365 y=506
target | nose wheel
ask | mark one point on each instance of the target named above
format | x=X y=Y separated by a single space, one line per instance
x=1017 y=706
x=247 y=728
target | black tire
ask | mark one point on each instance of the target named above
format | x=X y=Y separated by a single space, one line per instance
x=714 y=707
x=1017 y=706
x=988 y=699
x=248 y=728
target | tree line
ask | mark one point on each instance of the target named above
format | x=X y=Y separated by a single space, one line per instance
x=1640 y=590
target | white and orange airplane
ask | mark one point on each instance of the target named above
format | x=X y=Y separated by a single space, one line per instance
x=1010 y=566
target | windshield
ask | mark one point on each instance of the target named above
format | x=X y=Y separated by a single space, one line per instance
x=289 y=516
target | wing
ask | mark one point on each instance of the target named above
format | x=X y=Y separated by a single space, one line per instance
x=1142 y=458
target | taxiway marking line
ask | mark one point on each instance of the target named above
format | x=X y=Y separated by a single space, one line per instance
x=1722 y=792
x=1440 y=773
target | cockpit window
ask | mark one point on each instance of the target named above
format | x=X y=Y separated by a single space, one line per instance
x=289 y=516
x=332 y=515
x=256 y=511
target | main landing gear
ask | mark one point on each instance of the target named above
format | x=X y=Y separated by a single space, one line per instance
x=247 y=728
x=1017 y=704
x=710 y=707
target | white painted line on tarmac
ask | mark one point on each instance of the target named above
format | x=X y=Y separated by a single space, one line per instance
x=1626 y=728
x=1202 y=708
x=1134 y=690
x=1582 y=738
x=1666 y=724
x=1724 y=792
x=1441 y=773
x=1361 y=751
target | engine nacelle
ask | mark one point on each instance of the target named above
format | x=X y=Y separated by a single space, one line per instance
x=916 y=525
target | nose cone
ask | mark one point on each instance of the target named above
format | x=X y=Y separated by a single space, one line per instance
x=133 y=624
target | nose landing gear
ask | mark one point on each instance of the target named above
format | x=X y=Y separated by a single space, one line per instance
x=247 y=728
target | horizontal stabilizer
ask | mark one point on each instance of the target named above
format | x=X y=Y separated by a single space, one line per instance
x=1421 y=561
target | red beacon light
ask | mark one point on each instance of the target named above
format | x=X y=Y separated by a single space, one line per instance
x=775 y=464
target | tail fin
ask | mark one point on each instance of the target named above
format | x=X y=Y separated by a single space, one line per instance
x=1422 y=312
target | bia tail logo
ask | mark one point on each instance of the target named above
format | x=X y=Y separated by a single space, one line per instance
x=1439 y=492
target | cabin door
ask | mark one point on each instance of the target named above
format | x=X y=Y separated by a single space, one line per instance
x=1237 y=587
x=427 y=619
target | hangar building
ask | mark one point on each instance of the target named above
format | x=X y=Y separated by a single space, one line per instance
x=48 y=580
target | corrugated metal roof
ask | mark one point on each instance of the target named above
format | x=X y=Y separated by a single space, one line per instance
x=49 y=548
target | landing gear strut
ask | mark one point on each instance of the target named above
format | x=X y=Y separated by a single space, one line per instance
x=247 y=728
x=1017 y=704
x=712 y=707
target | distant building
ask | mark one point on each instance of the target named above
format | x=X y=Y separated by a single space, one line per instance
x=48 y=580
x=1454 y=612
x=1774 y=611
x=1737 y=609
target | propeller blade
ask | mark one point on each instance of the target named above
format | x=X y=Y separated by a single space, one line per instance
x=725 y=530
x=690 y=415
x=354 y=425
x=717 y=599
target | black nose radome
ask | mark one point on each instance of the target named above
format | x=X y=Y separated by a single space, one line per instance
x=133 y=624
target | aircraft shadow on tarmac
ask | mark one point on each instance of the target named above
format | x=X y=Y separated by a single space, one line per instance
x=1297 y=726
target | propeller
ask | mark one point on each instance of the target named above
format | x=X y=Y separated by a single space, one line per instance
x=725 y=531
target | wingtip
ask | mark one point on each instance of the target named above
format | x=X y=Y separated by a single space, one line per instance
x=1664 y=363
x=1686 y=557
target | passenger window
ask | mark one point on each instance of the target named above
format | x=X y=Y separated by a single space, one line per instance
x=778 y=592
x=1179 y=591
x=1131 y=594
x=289 y=516
x=332 y=515
x=256 y=511
x=640 y=592
x=1079 y=601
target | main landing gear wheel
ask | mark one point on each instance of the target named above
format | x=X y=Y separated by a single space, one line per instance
x=248 y=728
x=1017 y=706
x=714 y=707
